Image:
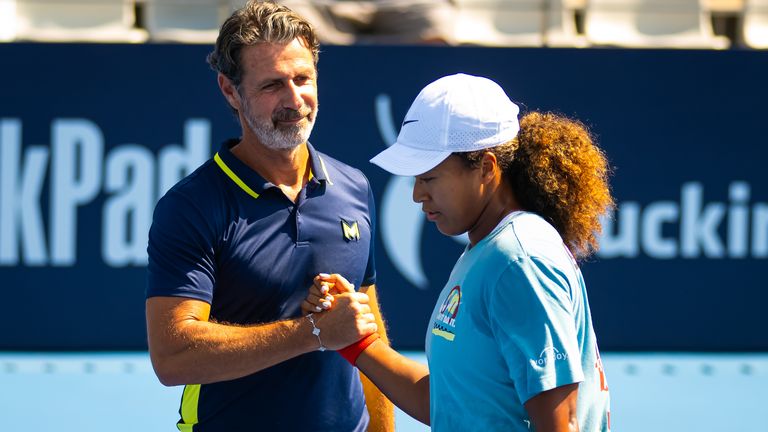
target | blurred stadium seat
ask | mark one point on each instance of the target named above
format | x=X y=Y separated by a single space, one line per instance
x=7 y=20
x=650 y=24
x=76 y=20
x=500 y=22
x=187 y=21
x=756 y=24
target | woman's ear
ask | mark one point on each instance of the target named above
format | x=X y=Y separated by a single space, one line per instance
x=489 y=167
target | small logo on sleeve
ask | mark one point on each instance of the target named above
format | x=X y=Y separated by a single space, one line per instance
x=550 y=354
x=350 y=230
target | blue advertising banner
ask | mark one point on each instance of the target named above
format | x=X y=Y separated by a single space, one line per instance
x=92 y=135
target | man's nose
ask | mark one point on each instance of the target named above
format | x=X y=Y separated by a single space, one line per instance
x=293 y=99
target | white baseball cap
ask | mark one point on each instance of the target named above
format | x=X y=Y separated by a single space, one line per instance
x=456 y=113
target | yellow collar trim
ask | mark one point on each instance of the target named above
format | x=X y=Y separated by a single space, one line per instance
x=234 y=176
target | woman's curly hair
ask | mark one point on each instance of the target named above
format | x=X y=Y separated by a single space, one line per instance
x=557 y=171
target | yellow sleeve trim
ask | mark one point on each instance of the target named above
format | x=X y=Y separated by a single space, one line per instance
x=189 y=402
x=234 y=176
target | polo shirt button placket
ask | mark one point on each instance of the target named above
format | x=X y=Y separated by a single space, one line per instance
x=297 y=215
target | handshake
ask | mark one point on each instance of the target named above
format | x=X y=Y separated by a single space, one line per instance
x=342 y=318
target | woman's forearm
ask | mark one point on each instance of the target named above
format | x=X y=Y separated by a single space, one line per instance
x=404 y=381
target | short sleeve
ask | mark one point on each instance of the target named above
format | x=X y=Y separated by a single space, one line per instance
x=532 y=320
x=181 y=250
x=370 y=269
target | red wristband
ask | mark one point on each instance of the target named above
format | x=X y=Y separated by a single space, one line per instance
x=352 y=352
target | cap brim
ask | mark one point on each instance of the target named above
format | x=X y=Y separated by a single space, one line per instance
x=408 y=161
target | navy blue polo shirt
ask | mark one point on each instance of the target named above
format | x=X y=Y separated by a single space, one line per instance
x=226 y=236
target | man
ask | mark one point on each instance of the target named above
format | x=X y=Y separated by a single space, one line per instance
x=235 y=245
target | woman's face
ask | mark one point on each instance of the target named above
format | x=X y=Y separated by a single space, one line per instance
x=452 y=196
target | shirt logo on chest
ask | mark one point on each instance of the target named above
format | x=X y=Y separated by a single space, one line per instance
x=350 y=230
x=445 y=321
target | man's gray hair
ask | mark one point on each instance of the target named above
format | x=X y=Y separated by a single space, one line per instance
x=258 y=22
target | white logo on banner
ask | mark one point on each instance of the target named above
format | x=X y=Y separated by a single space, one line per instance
x=698 y=225
x=129 y=179
x=632 y=230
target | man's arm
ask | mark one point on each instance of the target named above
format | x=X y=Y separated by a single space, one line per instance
x=187 y=348
x=381 y=410
x=555 y=410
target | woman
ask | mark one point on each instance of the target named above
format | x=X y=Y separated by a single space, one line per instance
x=510 y=344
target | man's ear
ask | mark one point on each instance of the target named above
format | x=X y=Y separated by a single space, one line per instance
x=229 y=91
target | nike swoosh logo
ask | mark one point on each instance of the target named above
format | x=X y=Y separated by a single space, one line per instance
x=408 y=121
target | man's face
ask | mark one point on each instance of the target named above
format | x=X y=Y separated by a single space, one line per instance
x=278 y=93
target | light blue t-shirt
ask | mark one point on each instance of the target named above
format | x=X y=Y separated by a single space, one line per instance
x=513 y=321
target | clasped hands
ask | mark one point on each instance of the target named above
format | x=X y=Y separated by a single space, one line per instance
x=342 y=314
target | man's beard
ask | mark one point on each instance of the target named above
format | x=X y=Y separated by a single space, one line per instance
x=281 y=137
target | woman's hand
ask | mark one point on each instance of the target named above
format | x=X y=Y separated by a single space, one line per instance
x=321 y=294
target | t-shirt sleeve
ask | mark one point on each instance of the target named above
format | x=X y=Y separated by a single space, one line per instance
x=532 y=319
x=181 y=250
x=370 y=269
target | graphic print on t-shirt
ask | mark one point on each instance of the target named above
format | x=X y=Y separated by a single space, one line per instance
x=445 y=322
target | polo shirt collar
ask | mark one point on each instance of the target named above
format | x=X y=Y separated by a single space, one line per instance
x=252 y=182
x=317 y=166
